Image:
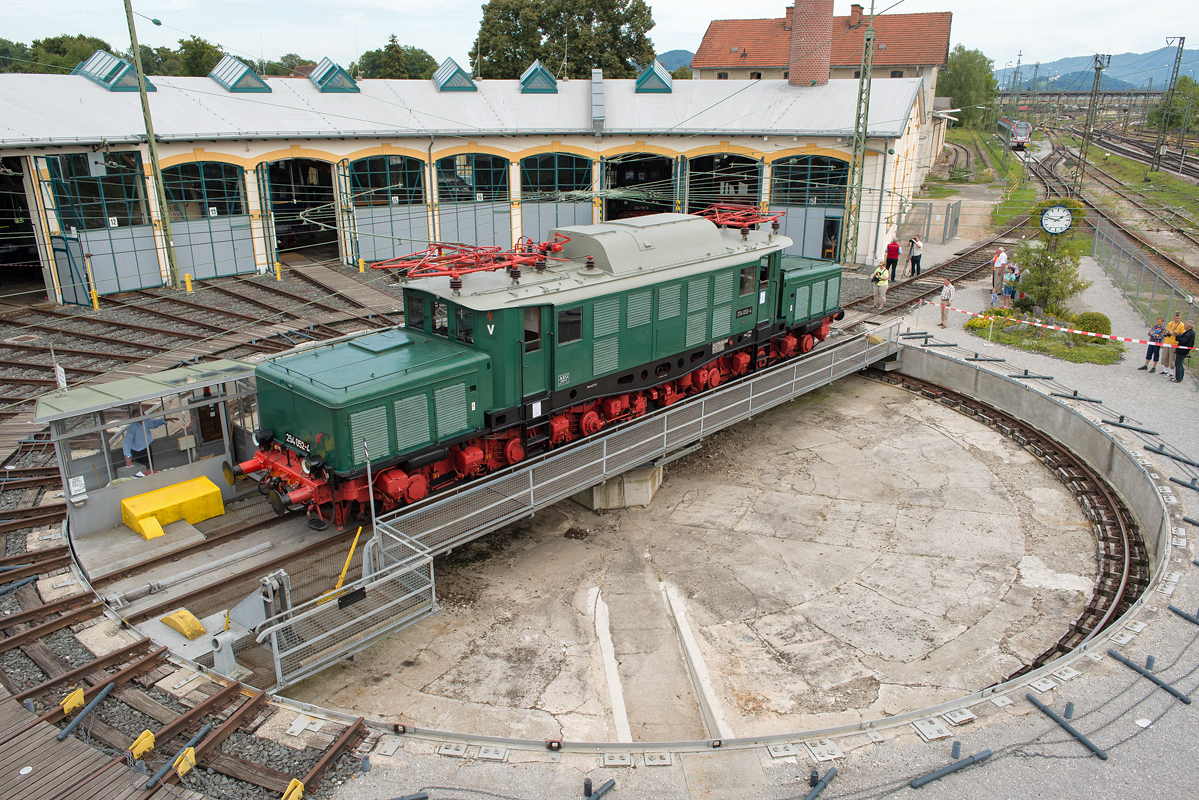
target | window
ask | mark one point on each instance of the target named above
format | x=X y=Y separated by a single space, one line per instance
x=554 y=172
x=570 y=325
x=857 y=73
x=747 y=282
x=809 y=180
x=786 y=75
x=896 y=73
x=764 y=270
x=441 y=319
x=722 y=76
x=532 y=330
x=471 y=177
x=414 y=312
x=464 y=323
x=203 y=189
x=387 y=181
x=98 y=190
x=755 y=76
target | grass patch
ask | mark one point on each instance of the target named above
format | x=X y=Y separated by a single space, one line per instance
x=1067 y=347
x=935 y=189
x=1164 y=189
x=1021 y=193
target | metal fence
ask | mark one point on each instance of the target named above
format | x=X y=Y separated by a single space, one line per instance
x=916 y=219
x=1150 y=292
x=953 y=215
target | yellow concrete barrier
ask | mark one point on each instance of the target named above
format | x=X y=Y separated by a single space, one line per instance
x=195 y=500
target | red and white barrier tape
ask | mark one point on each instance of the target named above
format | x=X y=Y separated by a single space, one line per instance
x=1047 y=327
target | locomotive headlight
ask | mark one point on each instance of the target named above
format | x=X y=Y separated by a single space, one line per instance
x=263 y=437
x=312 y=464
x=305 y=467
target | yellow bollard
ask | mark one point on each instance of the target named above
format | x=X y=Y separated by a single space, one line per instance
x=278 y=271
x=187 y=279
x=362 y=265
x=87 y=261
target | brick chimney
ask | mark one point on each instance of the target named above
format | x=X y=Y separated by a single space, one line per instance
x=811 y=48
x=855 y=14
x=787 y=21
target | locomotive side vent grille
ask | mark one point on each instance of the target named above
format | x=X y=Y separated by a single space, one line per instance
x=724 y=289
x=669 y=302
x=802 y=297
x=817 y=298
x=607 y=318
x=834 y=293
x=412 y=422
x=370 y=425
x=722 y=321
x=606 y=355
x=449 y=407
x=697 y=295
x=697 y=326
x=639 y=310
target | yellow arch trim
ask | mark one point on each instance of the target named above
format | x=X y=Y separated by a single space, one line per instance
x=386 y=149
x=295 y=151
x=200 y=155
x=809 y=150
x=636 y=147
x=732 y=149
x=592 y=155
x=470 y=149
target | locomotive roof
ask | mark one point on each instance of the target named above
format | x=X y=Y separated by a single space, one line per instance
x=628 y=254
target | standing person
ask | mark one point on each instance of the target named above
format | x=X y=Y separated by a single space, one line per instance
x=1186 y=342
x=1173 y=328
x=136 y=443
x=1009 y=286
x=879 y=279
x=915 y=251
x=1153 y=352
x=946 y=299
x=998 y=262
x=893 y=256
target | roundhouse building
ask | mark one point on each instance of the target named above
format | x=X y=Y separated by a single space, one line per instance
x=327 y=168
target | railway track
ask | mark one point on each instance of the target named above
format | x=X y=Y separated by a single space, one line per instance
x=1142 y=151
x=1124 y=568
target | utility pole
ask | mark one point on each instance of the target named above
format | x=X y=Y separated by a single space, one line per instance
x=163 y=213
x=1032 y=101
x=1101 y=62
x=1167 y=101
x=1014 y=88
x=857 y=164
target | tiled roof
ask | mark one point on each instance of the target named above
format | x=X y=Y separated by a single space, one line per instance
x=910 y=39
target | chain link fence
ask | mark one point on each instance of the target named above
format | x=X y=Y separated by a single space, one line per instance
x=1146 y=289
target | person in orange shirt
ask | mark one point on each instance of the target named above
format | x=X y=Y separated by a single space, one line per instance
x=1173 y=329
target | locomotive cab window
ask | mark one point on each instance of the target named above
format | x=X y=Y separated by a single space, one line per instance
x=570 y=325
x=441 y=319
x=532 y=330
x=747 y=282
x=414 y=312
x=764 y=270
x=464 y=323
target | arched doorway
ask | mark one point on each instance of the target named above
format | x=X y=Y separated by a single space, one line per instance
x=722 y=178
x=555 y=190
x=811 y=189
x=474 y=201
x=388 y=197
x=209 y=219
x=300 y=197
x=636 y=184
x=22 y=279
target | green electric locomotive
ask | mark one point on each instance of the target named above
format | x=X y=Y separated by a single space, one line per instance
x=503 y=354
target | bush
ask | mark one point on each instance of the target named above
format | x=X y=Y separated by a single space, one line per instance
x=1024 y=304
x=1094 y=322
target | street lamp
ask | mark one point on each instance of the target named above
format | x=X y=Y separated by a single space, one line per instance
x=152 y=145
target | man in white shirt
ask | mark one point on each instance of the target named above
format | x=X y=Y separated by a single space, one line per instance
x=946 y=299
x=998 y=264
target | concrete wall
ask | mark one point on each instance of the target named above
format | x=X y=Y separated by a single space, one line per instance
x=1084 y=438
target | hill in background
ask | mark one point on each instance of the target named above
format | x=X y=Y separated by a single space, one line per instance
x=1135 y=69
x=673 y=59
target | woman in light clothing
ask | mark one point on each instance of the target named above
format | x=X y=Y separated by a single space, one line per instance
x=880 y=281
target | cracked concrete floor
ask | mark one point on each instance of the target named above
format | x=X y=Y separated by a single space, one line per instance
x=858 y=553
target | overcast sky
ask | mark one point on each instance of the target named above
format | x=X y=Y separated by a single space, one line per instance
x=341 y=29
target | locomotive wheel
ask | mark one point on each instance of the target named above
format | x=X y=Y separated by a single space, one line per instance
x=713 y=378
x=418 y=488
x=514 y=452
x=590 y=423
x=806 y=342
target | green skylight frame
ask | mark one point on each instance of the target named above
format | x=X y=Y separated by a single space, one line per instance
x=450 y=77
x=113 y=73
x=329 y=77
x=237 y=77
x=655 y=80
x=538 y=80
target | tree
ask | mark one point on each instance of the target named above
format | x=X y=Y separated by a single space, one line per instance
x=969 y=78
x=570 y=38
x=1186 y=96
x=13 y=56
x=391 y=63
x=1049 y=263
x=64 y=52
x=291 y=61
x=159 y=60
x=683 y=73
x=419 y=64
x=199 y=56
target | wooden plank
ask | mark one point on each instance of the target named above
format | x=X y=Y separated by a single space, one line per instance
x=147 y=705
x=258 y=774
